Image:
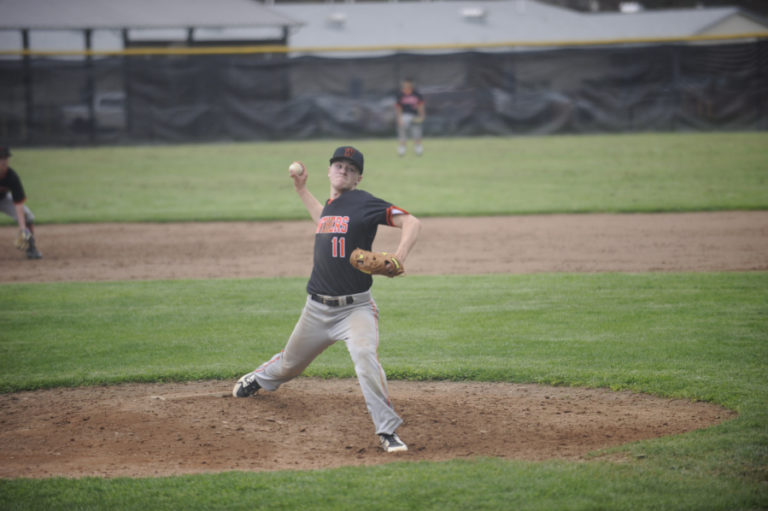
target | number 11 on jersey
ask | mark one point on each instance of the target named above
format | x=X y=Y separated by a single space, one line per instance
x=338 y=247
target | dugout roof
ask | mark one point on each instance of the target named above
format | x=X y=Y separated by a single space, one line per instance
x=479 y=22
x=119 y=14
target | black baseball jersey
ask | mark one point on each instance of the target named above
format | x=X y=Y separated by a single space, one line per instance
x=409 y=103
x=346 y=223
x=11 y=182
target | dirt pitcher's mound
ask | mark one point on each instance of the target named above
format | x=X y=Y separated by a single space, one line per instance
x=153 y=430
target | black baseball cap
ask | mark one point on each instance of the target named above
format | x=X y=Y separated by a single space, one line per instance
x=349 y=154
x=5 y=151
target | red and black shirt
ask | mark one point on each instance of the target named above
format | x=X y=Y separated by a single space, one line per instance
x=409 y=103
x=346 y=223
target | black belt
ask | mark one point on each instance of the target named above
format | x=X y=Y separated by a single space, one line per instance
x=333 y=302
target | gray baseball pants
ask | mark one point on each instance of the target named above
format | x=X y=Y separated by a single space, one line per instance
x=319 y=327
x=408 y=126
x=9 y=208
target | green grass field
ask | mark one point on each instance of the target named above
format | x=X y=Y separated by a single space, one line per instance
x=465 y=176
x=699 y=336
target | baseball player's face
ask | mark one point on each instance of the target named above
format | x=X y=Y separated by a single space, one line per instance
x=3 y=166
x=343 y=175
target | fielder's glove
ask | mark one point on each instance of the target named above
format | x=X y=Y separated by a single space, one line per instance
x=22 y=239
x=376 y=263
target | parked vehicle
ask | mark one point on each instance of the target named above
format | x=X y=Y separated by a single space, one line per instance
x=108 y=112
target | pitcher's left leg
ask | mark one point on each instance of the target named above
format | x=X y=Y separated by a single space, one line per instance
x=362 y=339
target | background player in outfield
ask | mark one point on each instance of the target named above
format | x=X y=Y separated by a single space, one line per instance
x=410 y=113
x=12 y=203
x=339 y=304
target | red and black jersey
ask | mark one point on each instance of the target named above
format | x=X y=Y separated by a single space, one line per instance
x=409 y=103
x=11 y=182
x=346 y=223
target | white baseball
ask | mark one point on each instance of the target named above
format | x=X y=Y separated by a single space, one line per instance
x=296 y=169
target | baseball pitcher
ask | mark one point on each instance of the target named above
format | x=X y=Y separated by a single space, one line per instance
x=339 y=304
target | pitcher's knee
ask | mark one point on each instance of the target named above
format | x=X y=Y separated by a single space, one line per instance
x=362 y=347
x=366 y=361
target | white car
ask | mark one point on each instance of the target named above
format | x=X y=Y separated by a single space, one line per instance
x=108 y=112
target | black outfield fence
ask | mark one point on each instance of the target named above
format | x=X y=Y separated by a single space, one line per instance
x=261 y=96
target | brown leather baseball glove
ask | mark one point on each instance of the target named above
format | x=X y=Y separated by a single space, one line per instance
x=376 y=263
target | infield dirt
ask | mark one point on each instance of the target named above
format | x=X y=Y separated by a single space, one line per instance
x=165 y=429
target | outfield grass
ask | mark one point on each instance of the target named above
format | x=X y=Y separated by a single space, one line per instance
x=693 y=336
x=456 y=176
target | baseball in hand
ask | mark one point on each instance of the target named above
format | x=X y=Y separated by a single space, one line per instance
x=296 y=169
